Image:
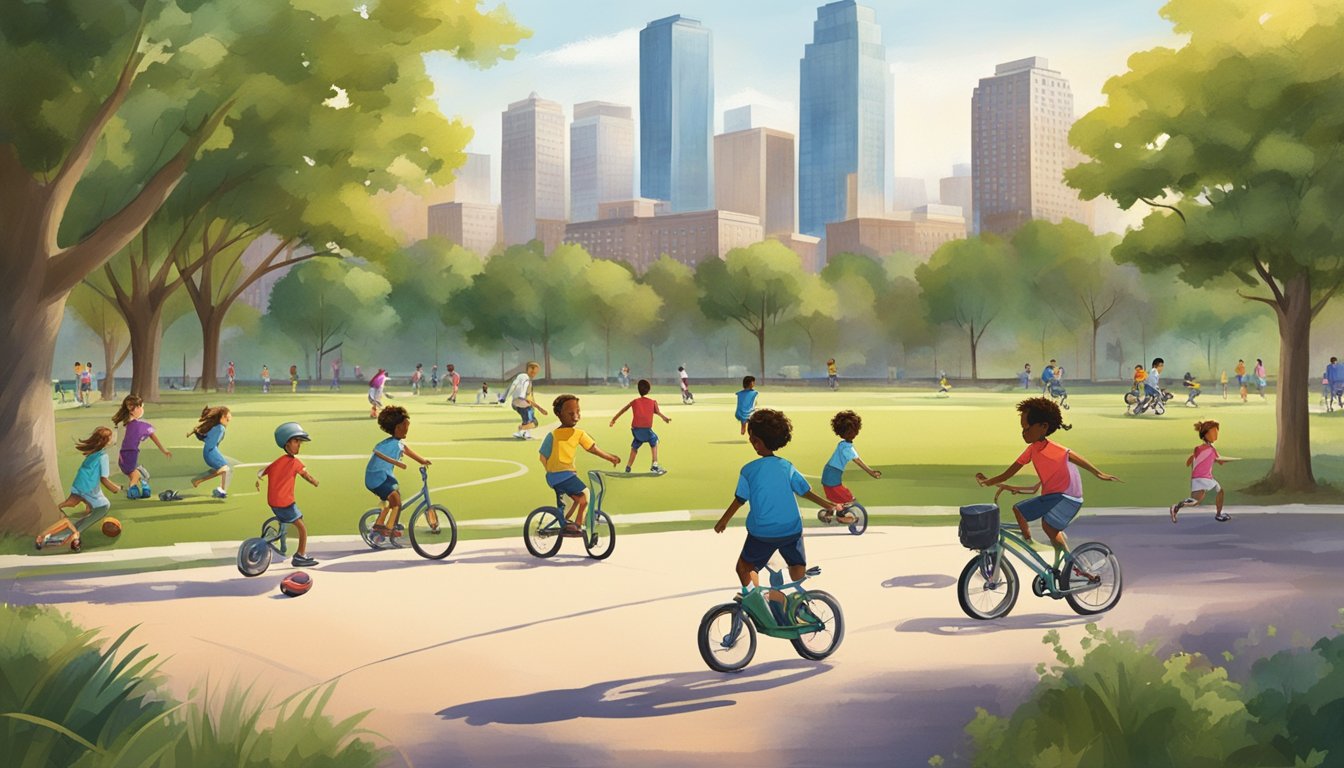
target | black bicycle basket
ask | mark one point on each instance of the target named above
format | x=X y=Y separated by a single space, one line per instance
x=979 y=526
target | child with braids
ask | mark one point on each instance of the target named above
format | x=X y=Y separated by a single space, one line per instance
x=210 y=430
x=131 y=417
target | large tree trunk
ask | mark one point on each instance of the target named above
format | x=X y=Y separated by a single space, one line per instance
x=975 y=366
x=760 y=348
x=1291 y=471
x=146 y=326
x=212 y=326
x=112 y=360
x=1092 y=373
x=27 y=423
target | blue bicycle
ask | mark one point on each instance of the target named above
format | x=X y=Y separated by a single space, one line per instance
x=433 y=531
x=810 y=619
x=545 y=526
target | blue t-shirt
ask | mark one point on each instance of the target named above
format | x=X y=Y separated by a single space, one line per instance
x=1335 y=373
x=91 y=470
x=746 y=400
x=378 y=470
x=213 y=438
x=769 y=485
x=833 y=473
x=1048 y=373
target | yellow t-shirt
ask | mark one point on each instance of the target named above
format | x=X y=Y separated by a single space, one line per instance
x=560 y=447
x=830 y=369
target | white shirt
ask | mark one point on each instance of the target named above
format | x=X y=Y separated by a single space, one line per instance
x=1154 y=378
x=684 y=375
x=519 y=388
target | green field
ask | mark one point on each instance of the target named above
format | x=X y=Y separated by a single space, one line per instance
x=928 y=449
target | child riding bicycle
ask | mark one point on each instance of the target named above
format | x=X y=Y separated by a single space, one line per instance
x=557 y=456
x=846 y=426
x=378 y=477
x=280 y=486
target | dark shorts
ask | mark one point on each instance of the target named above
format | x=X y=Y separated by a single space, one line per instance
x=127 y=461
x=528 y=414
x=570 y=485
x=288 y=514
x=385 y=489
x=757 y=551
x=838 y=494
x=1054 y=508
x=643 y=435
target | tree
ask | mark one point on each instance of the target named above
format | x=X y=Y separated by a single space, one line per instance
x=674 y=284
x=427 y=277
x=321 y=303
x=1208 y=319
x=756 y=287
x=95 y=309
x=970 y=284
x=818 y=313
x=1234 y=140
x=614 y=300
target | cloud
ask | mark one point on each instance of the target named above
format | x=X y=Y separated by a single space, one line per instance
x=604 y=51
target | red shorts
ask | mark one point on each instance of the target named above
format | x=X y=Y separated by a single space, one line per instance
x=838 y=494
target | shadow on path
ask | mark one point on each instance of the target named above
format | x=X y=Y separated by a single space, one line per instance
x=920 y=581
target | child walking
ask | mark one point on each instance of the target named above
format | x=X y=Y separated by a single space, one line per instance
x=846 y=426
x=87 y=489
x=293 y=378
x=265 y=380
x=378 y=477
x=746 y=401
x=770 y=485
x=1201 y=463
x=455 y=379
x=210 y=430
x=520 y=397
x=557 y=456
x=417 y=377
x=280 y=486
x=643 y=408
x=1240 y=371
x=131 y=415
x=376 y=392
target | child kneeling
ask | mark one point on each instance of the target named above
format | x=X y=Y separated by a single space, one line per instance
x=87 y=489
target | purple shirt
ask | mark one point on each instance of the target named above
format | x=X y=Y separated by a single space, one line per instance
x=377 y=380
x=136 y=432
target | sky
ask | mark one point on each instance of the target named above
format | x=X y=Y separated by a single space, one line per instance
x=589 y=50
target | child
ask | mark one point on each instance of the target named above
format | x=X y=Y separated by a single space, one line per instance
x=376 y=392
x=1047 y=376
x=416 y=377
x=1191 y=390
x=293 y=378
x=557 y=456
x=1152 y=386
x=378 y=477
x=1259 y=376
x=641 y=425
x=746 y=401
x=1223 y=380
x=131 y=414
x=86 y=384
x=336 y=374
x=484 y=395
x=265 y=380
x=280 y=487
x=1201 y=473
x=232 y=375
x=1140 y=376
x=1240 y=371
x=87 y=488
x=79 y=383
x=434 y=377
x=210 y=430
x=846 y=425
x=686 y=396
x=456 y=379
x=944 y=387
x=519 y=396
x=1056 y=466
x=832 y=374
x=769 y=484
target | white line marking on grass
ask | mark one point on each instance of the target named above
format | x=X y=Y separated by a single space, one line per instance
x=522 y=470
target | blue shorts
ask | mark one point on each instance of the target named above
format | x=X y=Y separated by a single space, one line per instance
x=1054 y=508
x=528 y=414
x=757 y=551
x=384 y=489
x=569 y=485
x=288 y=514
x=215 y=460
x=643 y=435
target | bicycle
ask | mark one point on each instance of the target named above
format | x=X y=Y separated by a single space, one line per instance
x=254 y=554
x=544 y=527
x=1135 y=405
x=857 y=527
x=988 y=585
x=432 y=529
x=813 y=623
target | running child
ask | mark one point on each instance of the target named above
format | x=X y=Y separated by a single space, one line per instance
x=643 y=408
x=519 y=395
x=131 y=415
x=686 y=396
x=846 y=426
x=769 y=485
x=455 y=379
x=746 y=401
x=378 y=477
x=557 y=454
x=87 y=488
x=944 y=386
x=1060 y=485
x=1201 y=463
x=280 y=486
x=376 y=392
x=210 y=430
x=1240 y=371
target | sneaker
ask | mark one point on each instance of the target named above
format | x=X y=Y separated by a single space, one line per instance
x=302 y=561
x=1174 y=509
x=133 y=492
x=518 y=434
x=1222 y=517
x=572 y=529
x=627 y=470
x=657 y=470
x=528 y=435
x=145 y=490
x=220 y=493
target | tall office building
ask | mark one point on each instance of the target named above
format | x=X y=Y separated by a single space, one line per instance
x=472 y=183
x=753 y=173
x=1020 y=120
x=532 y=178
x=956 y=190
x=601 y=157
x=909 y=193
x=676 y=113
x=846 y=119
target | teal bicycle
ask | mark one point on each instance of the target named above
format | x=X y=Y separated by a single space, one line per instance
x=433 y=531
x=1087 y=576
x=810 y=619
x=545 y=526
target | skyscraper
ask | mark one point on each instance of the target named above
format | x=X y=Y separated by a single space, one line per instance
x=532 y=178
x=1020 y=120
x=676 y=113
x=753 y=173
x=846 y=119
x=472 y=184
x=601 y=157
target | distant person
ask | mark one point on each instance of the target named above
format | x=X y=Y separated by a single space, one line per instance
x=520 y=396
x=1024 y=376
x=1260 y=380
x=79 y=382
x=1223 y=381
x=336 y=374
x=231 y=375
x=641 y=425
x=1047 y=376
x=483 y=397
x=434 y=377
x=1240 y=371
x=455 y=379
x=1191 y=390
x=944 y=386
x=359 y=375
x=293 y=378
x=416 y=377
x=1152 y=386
x=265 y=380
x=624 y=376
x=686 y=396
x=832 y=375
x=376 y=392
x=86 y=384
x=746 y=401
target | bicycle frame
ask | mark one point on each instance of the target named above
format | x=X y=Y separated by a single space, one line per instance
x=1028 y=556
x=597 y=483
x=771 y=629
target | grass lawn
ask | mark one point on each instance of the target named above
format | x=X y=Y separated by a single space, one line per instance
x=928 y=449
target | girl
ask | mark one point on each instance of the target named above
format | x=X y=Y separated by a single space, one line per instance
x=1260 y=377
x=265 y=379
x=210 y=431
x=1201 y=473
x=376 y=392
x=131 y=414
x=87 y=489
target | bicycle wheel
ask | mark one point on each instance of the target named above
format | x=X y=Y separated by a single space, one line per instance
x=818 y=606
x=986 y=592
x=1159 y=408
x=860 y=523
x=541 y=531
x=254 y=557
x=1131 y=399
x=433 y=532
x=727 y=638
x=603 y=542
x=373 y=539
x=1092 y=564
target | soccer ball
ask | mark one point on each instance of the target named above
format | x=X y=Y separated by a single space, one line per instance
x=296 y=583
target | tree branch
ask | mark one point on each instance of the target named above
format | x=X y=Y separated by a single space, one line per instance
x=1260 y=299
x=1164 y=205
x=1319 y=305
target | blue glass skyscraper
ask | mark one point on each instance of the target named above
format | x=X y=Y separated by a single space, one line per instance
x=676 y=113
x=845 y=119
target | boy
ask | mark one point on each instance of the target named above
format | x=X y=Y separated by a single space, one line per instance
x=378 y=477
x=746 y=401
x=1191 y=389
x=416 y=377
x=280 y=487
x=519 y=395
x=1056 y=466
x=832 y=374
x=557 y=456
x=434 y=377
x=455 y=379
x=846 y=426
x=769 y=484
x=686 y=396
x=1201 y=473
x=641 y=425
x=86 y=384
x=1152 y=386
x=79 y=382
x=1047 y=376
x=265 y=379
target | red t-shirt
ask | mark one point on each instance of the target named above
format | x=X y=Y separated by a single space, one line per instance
x=642 y=408
x=280 y=488
x=1052 y=465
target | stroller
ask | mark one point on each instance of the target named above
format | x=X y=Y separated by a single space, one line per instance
x=1058 y=393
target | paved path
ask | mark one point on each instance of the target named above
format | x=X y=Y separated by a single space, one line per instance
x=495 y=658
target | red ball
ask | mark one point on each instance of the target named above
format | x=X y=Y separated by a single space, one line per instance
x=296 y=583
x=111 y=527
